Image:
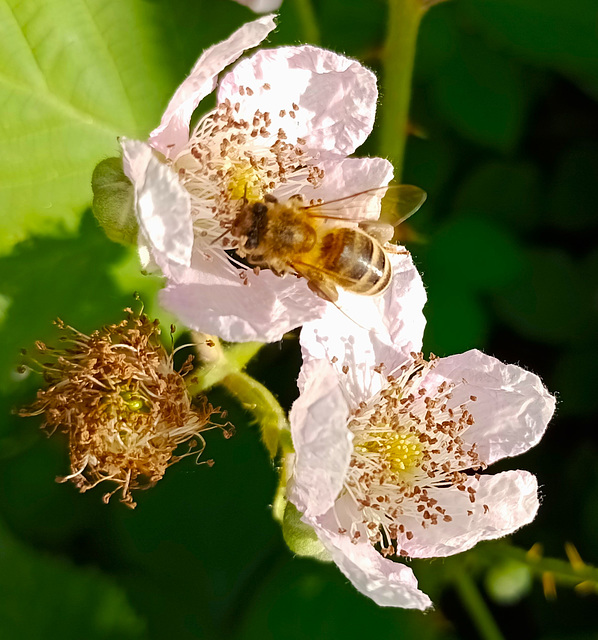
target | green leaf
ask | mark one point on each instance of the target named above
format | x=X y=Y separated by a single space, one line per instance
x=574 y=194
x=474 y=254
x=306 y=599
x=43 y=597
x=548 y=301
x=560 y=35
x=437 y=41
x=483 y=94
x=506 y=192
x=74 y=75
x=46 y=278
x=456 y=319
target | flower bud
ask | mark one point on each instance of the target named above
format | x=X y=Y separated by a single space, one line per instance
x=114 y=201
x=300 y=537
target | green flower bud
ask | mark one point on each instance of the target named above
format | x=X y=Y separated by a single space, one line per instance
x=300 y=537
x=114 y=201
x=508 y=582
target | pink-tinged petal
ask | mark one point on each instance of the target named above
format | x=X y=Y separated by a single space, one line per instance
x=345 y=177
x=387 y=583
x=173 y=132
x=136 y=155
x=162 y=205
x=503 y=503
x=211 y=297
x=261 y=6
x=322 y=442
x=512 y=407
x=364 y=332
x=336 y=96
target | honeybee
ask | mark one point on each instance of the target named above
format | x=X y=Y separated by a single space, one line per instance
x=330 y=251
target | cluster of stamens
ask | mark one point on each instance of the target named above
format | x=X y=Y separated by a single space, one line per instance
x=408 y=442
x=124 y=407
x=230 y=160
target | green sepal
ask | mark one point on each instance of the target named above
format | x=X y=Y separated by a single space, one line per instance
x=300 y=537
x=114 y=201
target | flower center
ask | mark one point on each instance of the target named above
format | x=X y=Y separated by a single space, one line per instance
x=409 y=447
x=244 y=182
x=399 y=452
x=230 y=158
x=134 y=402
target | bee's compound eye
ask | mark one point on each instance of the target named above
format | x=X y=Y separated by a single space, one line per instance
x=260 y=209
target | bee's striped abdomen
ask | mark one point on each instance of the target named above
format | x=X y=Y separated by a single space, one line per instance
x=355 y=261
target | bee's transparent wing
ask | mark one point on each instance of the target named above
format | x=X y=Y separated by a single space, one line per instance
x=398 y=202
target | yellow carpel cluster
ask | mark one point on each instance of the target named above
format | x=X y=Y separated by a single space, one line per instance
x=401 y=452
x=245 y=182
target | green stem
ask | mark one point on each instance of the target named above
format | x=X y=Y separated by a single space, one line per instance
x=224 y=366
x=399 y=56
x=476 y=607
x=562 y=571
x=212 y=373
x=310 y=31
x=259 y=401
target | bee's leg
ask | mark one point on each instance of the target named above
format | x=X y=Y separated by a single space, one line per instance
x=324 y=290
x=322 y=287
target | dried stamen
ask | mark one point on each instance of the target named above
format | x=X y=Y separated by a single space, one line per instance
x=125 y=409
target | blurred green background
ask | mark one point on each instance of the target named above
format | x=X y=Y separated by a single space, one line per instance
x=505 y=94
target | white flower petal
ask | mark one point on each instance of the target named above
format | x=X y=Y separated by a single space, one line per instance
x=387 y=583
x=345 y=177
x=322 y=442
x=162 y=205
x=173 y=132
x=512 y=409
x=336 y=96
x=212 y=298
x=261 y=6
x=503 y=503
x=365 y=332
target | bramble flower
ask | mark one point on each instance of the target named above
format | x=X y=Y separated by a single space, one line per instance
x=284 y=123
x=261 y=6
x=389 y=457
x=124 y=407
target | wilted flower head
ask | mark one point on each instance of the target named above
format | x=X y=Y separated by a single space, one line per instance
x=285 y=121
x=124 y=407
x=390 y=457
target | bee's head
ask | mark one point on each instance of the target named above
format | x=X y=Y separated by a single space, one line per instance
x=250 y=224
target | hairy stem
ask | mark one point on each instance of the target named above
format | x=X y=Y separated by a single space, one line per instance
x=399 y=56
x=476 y=606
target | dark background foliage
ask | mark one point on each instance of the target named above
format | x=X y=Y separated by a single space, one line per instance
x=505 y=97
